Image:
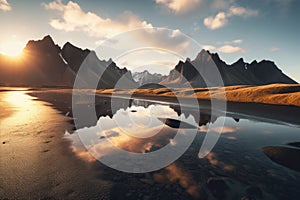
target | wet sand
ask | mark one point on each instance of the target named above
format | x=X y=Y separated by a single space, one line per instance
x=36 y=162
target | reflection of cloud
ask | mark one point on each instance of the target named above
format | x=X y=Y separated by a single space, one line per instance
x=173 y=174
x=4 y=5
x=121 y=132
x=142 y=145
x=180 y=6
x=231 y=137
x=220 y=129
x=222 y=18
x=83 y=154
x=213 y=160
x=226 y=129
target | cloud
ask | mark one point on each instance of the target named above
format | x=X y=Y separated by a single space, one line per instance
x=209 y=47
x=73 y=18
x=4 y=5
x=121 y=35
x=239 y=41
x=231 y=49
x=216 y=22
x=221 y=19
x=180 y=6
x=228 y=49
x=274 y=49
x=241 y=11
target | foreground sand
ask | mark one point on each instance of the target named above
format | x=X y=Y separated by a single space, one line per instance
x=276 y=94
x=36 y=161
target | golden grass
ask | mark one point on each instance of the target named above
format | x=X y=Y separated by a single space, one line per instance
x=279 y=94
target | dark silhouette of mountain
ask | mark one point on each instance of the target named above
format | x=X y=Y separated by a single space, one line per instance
x=74 y=56
x=209 y=65
x=46 y=64
x=93 y=68
x=40 y=65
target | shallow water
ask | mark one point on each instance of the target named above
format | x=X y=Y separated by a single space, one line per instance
x=245 y=162
x=237 y=166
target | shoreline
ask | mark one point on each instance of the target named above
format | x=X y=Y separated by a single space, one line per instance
x=286 y=114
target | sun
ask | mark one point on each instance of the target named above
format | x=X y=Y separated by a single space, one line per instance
x=12 y=48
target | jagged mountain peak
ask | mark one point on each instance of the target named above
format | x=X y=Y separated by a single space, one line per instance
x=44 y=45
x=203 y=54
x=238 y=73
x=239 y=62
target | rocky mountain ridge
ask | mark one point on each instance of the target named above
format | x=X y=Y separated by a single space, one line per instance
x=207 y=69
x=45 y=63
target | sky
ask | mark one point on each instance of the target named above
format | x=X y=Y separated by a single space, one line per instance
x=155 y=34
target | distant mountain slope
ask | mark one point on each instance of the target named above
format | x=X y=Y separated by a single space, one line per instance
x=239 y=73
x=146 y=77
x=46 y=64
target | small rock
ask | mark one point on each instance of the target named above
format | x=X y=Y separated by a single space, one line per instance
x=3 y=142
x=128 y=194
x=178 y=189
x=147 y=181
x=146 y=197
x=218 y=187
x=254 y=192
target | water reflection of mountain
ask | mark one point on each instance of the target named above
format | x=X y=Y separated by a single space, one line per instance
x=105 y=106
x=62 y=100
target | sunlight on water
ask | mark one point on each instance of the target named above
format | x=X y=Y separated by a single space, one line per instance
x=18 y=99
x=26 y=110
x=25 y=131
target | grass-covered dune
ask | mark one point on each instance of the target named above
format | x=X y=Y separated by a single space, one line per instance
x=278 y=94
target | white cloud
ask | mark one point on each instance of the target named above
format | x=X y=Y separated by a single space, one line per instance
x=4 y=5
x=209 y=47
x=228 y=49
x=120 y=34
x=241 y=11
x=180 y=6
x=221 y=19
x=239 y=41
x=274 y=49
x=231 y=49
x=216 y=22
x=73 y=18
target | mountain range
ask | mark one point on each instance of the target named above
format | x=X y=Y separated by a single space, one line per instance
x=207 y=69
x=44 y=63
x=146 y=77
